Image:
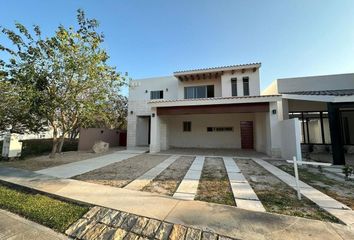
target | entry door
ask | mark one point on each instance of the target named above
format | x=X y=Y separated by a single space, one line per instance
x=246 y=134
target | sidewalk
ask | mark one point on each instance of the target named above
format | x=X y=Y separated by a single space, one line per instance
x=72 y=169
x=225 y=220
x=15 y=227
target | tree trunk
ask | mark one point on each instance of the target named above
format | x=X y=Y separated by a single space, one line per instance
x=55 y=143
x=61 y=143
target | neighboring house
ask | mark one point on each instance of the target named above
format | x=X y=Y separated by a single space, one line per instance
x=218 y=107
x=325 y=107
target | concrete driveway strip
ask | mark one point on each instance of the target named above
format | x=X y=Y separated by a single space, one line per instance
x=244 y=195
x=147 y=177
x=189 y=186
x=226 y=220
x=15 y=227
x=76 y=168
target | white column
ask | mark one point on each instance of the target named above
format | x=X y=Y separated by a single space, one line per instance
x=155 y=132
x=283 y=109
x=226 y=85
x=273 y=131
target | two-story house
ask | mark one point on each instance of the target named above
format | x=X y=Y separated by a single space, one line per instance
x=204 y=108
x=222 y=107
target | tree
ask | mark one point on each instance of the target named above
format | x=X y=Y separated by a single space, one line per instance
x=67 y=77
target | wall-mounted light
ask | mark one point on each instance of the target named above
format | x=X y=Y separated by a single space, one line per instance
x=146 y=91
x=131 y=112
x=153 y=115
x=166 y=89
x=274 y=111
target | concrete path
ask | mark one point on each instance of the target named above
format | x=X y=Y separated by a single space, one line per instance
x=337 y=209
x=146 y=178
x=76 y=168
x=243 y=193
x=189 y=185
x=15 y=227
x=225 y=220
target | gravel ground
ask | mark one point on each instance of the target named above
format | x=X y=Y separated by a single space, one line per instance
x=276 y=196
x=42 y=162
x=121 y=173
x=168 y=181
x=214 y=184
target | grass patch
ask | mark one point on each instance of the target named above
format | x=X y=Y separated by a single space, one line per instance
x=331 y=187
x=277 y=197
x=50 y=212
x=214 y=185
x=284 y=202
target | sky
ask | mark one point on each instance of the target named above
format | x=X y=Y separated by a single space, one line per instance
x=148 y=38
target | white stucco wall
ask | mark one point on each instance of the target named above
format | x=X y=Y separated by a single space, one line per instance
x=200 y=138
x=139 y=95
x=254 y=82
x=290 y=139
x=316 y=83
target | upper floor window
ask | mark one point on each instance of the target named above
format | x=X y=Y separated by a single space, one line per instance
x=199 y=92
x=246 y=86
x=156 y=94
x=234 y=86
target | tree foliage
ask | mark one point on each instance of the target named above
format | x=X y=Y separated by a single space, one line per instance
x=65 y=80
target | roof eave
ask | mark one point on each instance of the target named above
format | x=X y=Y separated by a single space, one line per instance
x=217 y=69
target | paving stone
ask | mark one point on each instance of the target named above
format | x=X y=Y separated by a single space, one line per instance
x=82 y=231
x=108 y=218
x=129 y=222
x=107 y=233
x=164 y=231
x=193 y=234
x=178 y=232
x=100 y=214
x=119 y=219
x=131 y=236
x=94 y=232
x=71 y=231
x=224 y=238
x=92 y=212
x=151 y=228
x=139 y=225
x=209 y=236
x=119 y=234
x=143 y=238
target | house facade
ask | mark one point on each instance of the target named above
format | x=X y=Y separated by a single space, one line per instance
x=218 y=107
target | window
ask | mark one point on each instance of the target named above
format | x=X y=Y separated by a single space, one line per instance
x=314 y=127
x=187 y=126
x=220 y=129
x=199 y=92
x=156 y=94
x=246 y=86
x=234 y=86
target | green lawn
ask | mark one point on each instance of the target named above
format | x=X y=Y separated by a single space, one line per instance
x=53 y=213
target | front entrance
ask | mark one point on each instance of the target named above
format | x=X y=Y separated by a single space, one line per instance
x=246 y=134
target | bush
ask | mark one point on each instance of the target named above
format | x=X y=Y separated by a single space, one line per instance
x=32 y=147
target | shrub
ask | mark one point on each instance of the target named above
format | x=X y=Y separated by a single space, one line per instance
x=32 y=147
